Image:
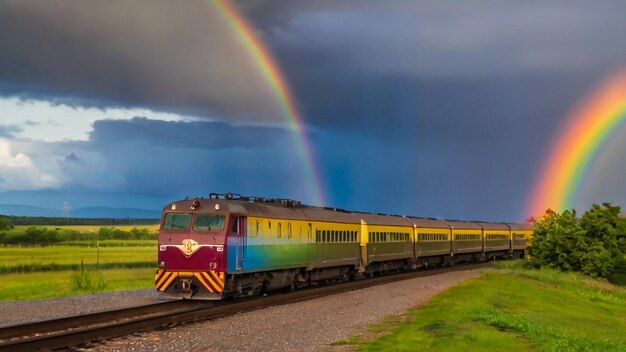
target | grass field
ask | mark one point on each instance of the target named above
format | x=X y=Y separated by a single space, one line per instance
x=90 y=228
x=509 y=309
x=52 y=271
x=58 y=261
x=62 y=257
x=58 y=284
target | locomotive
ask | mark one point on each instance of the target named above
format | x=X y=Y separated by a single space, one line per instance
x=229 y=246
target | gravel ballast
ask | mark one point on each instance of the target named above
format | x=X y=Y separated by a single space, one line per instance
x=304 y=326
x=44 y=309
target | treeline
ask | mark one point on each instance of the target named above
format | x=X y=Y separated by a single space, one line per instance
x=43 y=235
x=594 y=244
x=56 y=221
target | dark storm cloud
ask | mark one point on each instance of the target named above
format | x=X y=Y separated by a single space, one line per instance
x=448 y=39
x=185 y=59
x=347 y=63
x=198 y=134
x=154 y=54
x=449 y=107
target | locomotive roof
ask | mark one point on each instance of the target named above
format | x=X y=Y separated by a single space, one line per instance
x=289 y=209
x=282 y=209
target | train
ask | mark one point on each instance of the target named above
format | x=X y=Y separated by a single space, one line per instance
x=227 y=245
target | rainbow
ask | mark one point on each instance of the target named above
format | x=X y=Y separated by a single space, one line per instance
x=582 y=136
x=276 y=82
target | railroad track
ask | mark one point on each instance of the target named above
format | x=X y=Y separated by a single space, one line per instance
x=76 y=330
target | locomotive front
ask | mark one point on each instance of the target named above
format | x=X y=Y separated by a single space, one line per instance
x=192 y=254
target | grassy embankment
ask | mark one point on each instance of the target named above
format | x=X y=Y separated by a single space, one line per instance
x=509 y=309
x=83 y=265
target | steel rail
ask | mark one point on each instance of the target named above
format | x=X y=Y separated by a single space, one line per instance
x=76 y=330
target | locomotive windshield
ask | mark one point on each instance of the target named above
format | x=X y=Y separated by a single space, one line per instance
x=176 y=221
x=206 y=222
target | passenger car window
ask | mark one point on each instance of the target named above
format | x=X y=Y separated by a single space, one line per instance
x=206 y=222
x=176 y=221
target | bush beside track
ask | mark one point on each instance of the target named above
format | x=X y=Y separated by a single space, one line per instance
x=594 y=244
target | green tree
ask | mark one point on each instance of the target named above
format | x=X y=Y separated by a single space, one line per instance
x=558 y=240
x=591 y=244
x=5 y=223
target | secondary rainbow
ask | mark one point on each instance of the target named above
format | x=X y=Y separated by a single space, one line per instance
x=585 y=132
x=274 y=78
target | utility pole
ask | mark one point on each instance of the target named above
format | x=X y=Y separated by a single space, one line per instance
x=66 y=210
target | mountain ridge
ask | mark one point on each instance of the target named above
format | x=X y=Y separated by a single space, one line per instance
x=83 y=212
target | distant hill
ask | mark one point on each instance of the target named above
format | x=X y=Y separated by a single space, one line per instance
x=87 y=212
x=27 y=210
x=115 y=213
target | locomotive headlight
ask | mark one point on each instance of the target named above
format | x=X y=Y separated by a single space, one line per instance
x=162 y=265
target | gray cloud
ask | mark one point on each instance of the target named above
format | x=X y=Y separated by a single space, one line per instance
x=167 y=160
x=451 y=106
x=451 y=39
x=185 y=59
x=158 y=55
x=9 y=130
x=199 y=134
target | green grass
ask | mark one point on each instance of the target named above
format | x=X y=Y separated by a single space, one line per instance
x=88 y=228
x=60 y=283
x=510 y=309
x=54 y=258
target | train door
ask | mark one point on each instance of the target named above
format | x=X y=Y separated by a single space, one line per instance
x=311 y=244
x=238 y=234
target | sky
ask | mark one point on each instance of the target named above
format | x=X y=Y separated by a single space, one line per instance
x=426 y=108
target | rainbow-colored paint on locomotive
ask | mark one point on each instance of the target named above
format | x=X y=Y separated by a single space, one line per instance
x=232 y=246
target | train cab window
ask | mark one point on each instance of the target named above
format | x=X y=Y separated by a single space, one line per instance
x=207 y=222
x=176 y=221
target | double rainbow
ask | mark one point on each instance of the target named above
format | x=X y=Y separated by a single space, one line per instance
x=581 y=138
x=272 y=75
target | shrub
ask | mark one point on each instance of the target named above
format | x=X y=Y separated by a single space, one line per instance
x=589 y=245
x=5 y=223
x=86 y=280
